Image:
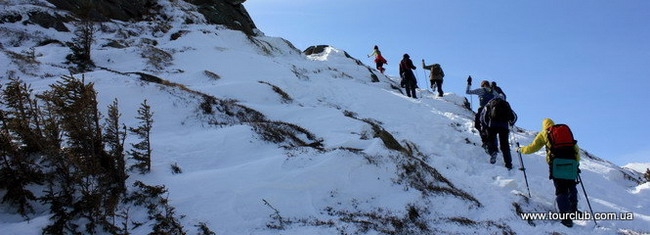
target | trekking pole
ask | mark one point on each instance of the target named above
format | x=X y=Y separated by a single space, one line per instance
x=471 y=102
x=521 y=162
x=424 y=73
x=587 y=197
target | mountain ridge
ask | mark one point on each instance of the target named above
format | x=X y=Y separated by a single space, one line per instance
x=378 y=169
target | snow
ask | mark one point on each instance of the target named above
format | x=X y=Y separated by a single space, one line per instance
x=228 y=169
x=638 y=166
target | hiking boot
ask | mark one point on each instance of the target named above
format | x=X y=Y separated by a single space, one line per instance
x=493 y=159
x=567 y=222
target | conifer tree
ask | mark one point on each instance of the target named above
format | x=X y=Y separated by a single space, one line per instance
x=21 y=115
x=81 y=46
x=115 y=135
x=141 y=151
x=81 y=179
x=20 y=146
x=14 y=173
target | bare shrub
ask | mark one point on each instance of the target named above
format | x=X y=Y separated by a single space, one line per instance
x=211 y=75
x=285 y=97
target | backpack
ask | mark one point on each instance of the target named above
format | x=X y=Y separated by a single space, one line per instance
x=564 y=164
x=498 y=110
x=437 y=72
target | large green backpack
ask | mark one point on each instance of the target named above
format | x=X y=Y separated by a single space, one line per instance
x=564 y=164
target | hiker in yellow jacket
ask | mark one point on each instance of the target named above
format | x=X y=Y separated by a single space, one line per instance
x=541 y=140
x=565 y=189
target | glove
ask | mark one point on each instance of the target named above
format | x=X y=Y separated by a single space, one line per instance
x=518 y=149
x=469 y=81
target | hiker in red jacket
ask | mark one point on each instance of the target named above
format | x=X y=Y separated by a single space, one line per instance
x=379 y=60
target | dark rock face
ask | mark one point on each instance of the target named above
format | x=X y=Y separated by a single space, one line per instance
x=102 y=10
x=10 y=18
x=230 y=13
x=46 y=20
x=315 y=49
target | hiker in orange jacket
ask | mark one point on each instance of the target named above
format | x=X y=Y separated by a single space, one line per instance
x=379 y=60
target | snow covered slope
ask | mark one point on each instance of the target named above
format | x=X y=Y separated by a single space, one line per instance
x=256 y=126
x=637 y=166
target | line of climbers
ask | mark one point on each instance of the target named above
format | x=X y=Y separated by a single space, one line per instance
x=495 y=117
x=409 y=82
x=493 y=121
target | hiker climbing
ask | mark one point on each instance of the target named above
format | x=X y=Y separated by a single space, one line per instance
x=485 y=94
x=379 y=60
x=496 y=118
x=562 y=156
x=498 y=90
x=435 y=76
x=408 y=78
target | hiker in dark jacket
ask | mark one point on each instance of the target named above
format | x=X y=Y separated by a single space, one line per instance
x=408 y=78
x=497 y=117
x=435 y=76
x=498 y=90
x=485 y=94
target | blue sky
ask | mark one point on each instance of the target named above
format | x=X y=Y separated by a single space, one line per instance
x=583 y=63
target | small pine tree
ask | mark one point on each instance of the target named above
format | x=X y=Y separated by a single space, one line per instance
x=22 y=115
x=166 y=221
x=647 y=174
x=13 y=177
x=81 y=46
x=158 y=208
x=141 y=151
x=82 y=185
x=114 y=137
x=20 y=146
x=204 y=229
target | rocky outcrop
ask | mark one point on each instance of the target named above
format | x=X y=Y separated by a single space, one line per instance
x=315 y=49
x=103 y=10
x=10 y=17
x=230 y=13
x=37 y=17
x=47 y=20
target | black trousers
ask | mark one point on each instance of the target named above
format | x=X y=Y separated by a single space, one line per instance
x=438 y=84
x=478 y=126
x=380 y=66
x=503 y=143
x=566 y=195
x=410 y=88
